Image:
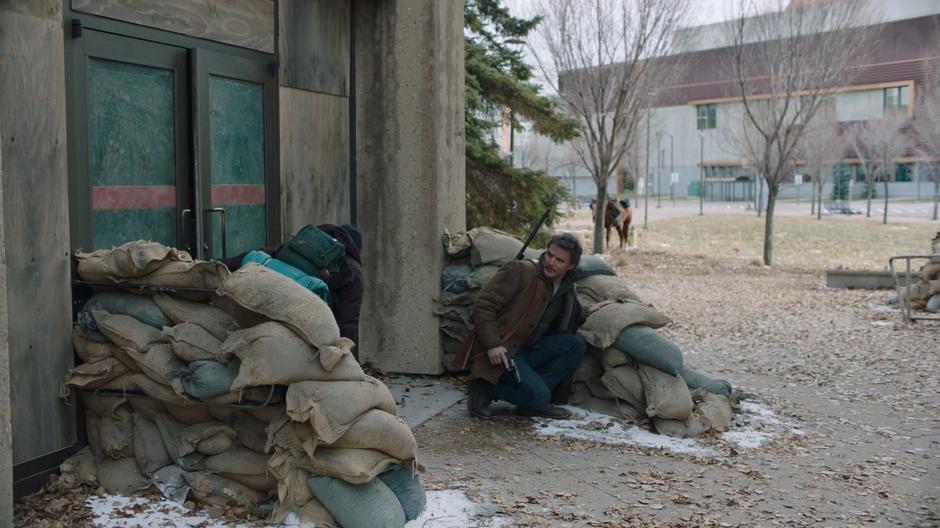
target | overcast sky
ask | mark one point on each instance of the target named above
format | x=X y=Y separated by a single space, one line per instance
x=703 y=11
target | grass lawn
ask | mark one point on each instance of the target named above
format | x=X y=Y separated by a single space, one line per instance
x=852 y=243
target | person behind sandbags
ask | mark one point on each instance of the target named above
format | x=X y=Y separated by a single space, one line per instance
x=525 y=344
x=345 y=282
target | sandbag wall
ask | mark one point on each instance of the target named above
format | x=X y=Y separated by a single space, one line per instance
x=630 y=372
x=925 y=293
x=206 y=362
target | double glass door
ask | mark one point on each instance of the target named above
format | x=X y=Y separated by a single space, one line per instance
x=170 y=144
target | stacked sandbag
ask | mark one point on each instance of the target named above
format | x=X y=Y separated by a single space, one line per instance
x=925 y=294
x=631 y=371
x=473 y=257
x=204 y=384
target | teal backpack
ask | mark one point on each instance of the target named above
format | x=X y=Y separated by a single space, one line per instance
x=311 y=250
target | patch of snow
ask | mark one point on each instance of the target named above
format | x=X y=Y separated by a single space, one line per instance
x=292 y=521
x=115 y=511
x=603 y=429
x=880 y=308
x=761 y=412
x=452 y=509
x=747 y=439
x=882 y=323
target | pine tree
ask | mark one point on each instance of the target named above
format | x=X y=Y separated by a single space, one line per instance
x=497 y=78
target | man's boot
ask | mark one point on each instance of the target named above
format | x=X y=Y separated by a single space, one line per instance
x=549 y=411
x=479 y=400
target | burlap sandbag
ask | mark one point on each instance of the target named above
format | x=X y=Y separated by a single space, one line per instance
x=209 y=438
x=239 y=461
x=930 y=271
x=210 y=318
x=365 y=505
x=267 y=414
x=139 y=307
x=624 y=382
x=206 y=379
x=121 y=476
x=456 y=245
x=82 y=465
x=203 y=274
x=267 y=293
x=271 y=354
x=315 y=513
x=598 y=389
x=615 y=408
x=116 y=433
x=667 y=396
x=288 y=436
x=265 y=483
x=479 y=277
x=131 y=259
x=648 y=346
x=92 y=375
x=588 y=368
x=250 y=432
x=699 y=379
x=157 y=363
x=381 y=431
x=171 y=483
x=146 y=406
x=331 y=407
x=140 y=382
x=711 y=412
x=292 y=490
x=256 y=395
x=91 y=430
x=90 y=351
x=604 y=326
x=579 y=393
x=613 y=357
x=356 y=466
x=149 y=451
x=492 y=246
x=125 y=331
x=101 y=405
x=191 y=342
x=170 y=431
x=597 y=288
x=219 y=491
x=188 y=413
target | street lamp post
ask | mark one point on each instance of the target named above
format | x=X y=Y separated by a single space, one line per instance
x=701 y=174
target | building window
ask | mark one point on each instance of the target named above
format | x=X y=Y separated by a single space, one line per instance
x=903 y=172
x=896 y=101
x=706 y=115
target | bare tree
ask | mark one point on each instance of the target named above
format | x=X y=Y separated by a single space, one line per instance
x=927 y=121
x=786 y=66
x=878 y=144
x=821 y=148
x=596 y=57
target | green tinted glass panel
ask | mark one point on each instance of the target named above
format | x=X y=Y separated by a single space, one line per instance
x=131 y=124
x=117 y=226
x=236 y=130
x=132 y=151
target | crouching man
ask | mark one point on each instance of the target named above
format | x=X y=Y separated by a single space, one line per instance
x=525 y=345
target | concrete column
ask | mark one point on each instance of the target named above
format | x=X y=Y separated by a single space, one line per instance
x=410 y=171
x=6 y=425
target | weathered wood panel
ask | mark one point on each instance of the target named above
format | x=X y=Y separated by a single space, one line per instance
x=6 y=425
x=35 y=216
x=38 y=8
x=244 y=23
x=313 y=42
x=314 y=159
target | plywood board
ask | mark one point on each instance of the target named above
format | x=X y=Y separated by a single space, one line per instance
x=35 y=215
x=244 y=23
x=314 y=159
x=313 y=41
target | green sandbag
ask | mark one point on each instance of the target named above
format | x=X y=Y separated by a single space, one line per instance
x=121 y=303
x=400 y=479
x=594 y=265
x=369 y=505
x=699 y=379
x=319 y=248
x=454 y=278
x=207 y=379
x=645 y=345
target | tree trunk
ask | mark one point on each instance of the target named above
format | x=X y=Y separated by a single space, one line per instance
x=769 y=226
x=885 y=219
x=819 y=205
x=600 y=209
x=871 y=190
x=760 y=197
x=936 y=193
x=812 y=202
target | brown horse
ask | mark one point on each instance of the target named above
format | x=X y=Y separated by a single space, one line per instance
x=611 y=220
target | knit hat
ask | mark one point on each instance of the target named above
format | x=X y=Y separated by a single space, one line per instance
x=354 y=234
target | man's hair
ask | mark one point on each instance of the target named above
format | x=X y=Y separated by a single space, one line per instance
x=569 y=243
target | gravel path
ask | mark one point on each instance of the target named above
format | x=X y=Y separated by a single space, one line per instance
x=857 y=389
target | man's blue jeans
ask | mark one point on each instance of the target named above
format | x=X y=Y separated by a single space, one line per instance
x=541 y=367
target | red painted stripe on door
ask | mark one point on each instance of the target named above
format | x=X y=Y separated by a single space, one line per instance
x=133 y=197
x=237 y=195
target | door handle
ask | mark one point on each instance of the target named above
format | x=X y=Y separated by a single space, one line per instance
x=221 y=212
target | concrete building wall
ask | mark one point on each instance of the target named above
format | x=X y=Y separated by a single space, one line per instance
x=410 y=171
x=6 y=425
